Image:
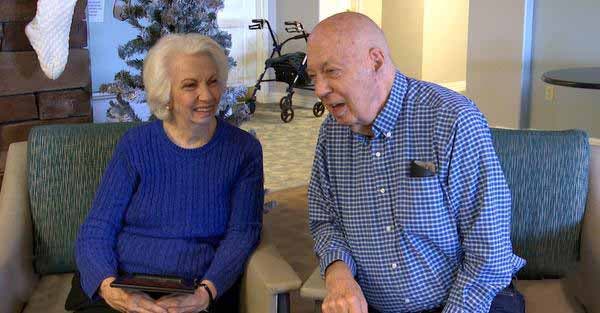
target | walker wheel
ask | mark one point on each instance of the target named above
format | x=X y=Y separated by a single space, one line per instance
x=287 y=115
x=285 y=103
x=251 y=106
x=318 y=109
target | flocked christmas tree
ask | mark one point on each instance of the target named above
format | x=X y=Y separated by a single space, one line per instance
x=154 y=19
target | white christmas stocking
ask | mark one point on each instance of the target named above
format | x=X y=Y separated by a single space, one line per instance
x=48 y=34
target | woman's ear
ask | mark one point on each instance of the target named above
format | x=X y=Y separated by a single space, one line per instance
x=377 y=58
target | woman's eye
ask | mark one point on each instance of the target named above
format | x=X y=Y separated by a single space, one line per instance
x=189 y=86
x=212 y=81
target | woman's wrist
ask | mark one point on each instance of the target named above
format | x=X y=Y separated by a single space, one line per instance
x=211 y=287
x=208 y=288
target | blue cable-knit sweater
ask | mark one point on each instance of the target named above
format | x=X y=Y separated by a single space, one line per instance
x=165 y=210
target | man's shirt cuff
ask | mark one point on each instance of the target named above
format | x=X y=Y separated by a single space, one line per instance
x=337 y=255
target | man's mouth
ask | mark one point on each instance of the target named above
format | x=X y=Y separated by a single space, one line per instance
x=334 y=105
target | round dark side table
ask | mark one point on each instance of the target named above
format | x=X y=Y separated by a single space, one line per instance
x=585 y=77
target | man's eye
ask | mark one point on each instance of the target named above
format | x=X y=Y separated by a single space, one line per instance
x=213 y=81
x=332 y=71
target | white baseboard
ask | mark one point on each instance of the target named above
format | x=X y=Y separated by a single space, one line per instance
x=100 y=102
x=459 y=86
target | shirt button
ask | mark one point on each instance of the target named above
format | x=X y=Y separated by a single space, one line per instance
x=406 y=300
x=394 y=265
x=382 y=190
x=389 y=228
x=388 y=134
x=378 y=154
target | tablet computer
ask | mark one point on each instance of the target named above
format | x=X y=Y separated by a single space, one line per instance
x=154 y=283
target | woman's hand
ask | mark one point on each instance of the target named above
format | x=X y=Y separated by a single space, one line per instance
x=186 y=303
x=128 y=301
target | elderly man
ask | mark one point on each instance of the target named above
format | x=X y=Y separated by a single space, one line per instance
x=408 y=205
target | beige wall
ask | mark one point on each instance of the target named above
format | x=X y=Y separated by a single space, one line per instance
x=370 y=8
x=402 y=23
x=498 y=70
x=305 y=11
x=565 y=35
x=445 y=33
x=330 y=7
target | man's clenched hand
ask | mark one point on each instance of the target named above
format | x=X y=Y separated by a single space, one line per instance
x=343 y=292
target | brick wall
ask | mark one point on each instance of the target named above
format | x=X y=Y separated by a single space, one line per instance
x=27 y=97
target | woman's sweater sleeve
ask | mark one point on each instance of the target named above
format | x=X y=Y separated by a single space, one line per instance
x=243 y=230
x=96 y=242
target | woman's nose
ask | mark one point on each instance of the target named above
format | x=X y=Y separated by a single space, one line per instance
x=204 y=93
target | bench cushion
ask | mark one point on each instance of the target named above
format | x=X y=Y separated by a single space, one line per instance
x=65 y=164
x=547 y=173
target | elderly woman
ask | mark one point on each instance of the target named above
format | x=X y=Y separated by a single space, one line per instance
x=182 y=196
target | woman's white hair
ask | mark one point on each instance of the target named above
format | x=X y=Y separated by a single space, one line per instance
x=157 y=82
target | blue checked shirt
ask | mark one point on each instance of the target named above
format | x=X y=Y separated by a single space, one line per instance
x=415 y=243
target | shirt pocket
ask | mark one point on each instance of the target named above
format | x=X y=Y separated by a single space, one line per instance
x=420 y=207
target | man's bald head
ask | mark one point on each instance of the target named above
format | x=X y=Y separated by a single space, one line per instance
x=350 y=30
x=350 y=64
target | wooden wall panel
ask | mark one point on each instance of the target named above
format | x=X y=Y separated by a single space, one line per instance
x=61 y=104
x=26 y=76
x=10 y=133
x=18 y=108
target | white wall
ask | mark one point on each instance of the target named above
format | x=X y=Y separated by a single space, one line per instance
x=498 y=59
x=445 y=33
x=103 y=41
x=565 y=35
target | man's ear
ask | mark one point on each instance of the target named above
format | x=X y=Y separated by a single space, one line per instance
x=377 y=58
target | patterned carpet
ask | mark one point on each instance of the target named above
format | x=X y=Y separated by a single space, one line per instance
x=288 y=224
x=288 y=148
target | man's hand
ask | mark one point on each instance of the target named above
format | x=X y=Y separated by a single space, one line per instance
x=343 y=292
x=128 y=301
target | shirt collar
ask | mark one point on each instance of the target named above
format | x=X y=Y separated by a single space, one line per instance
x=385 y=121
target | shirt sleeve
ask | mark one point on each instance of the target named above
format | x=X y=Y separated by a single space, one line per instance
x=245 y=223
x=478 y=192
x=330 y=242
x=96 y=242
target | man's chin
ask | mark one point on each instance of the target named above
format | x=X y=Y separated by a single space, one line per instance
x=345 y=120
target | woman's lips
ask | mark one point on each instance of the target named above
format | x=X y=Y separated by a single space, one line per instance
x=204 y=109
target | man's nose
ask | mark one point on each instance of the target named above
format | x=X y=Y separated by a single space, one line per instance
x=322 y=88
